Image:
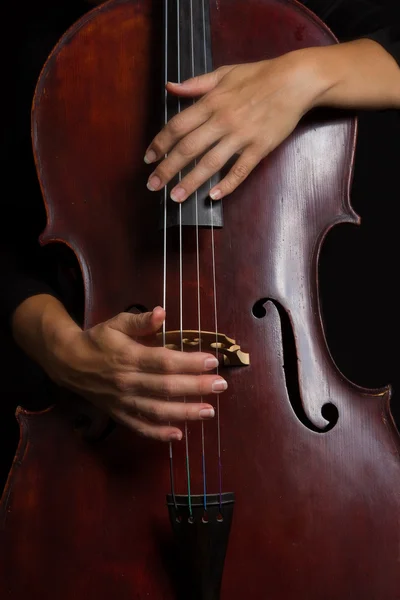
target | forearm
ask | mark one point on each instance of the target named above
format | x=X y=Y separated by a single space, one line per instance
x=39 y=326
x=356 y=75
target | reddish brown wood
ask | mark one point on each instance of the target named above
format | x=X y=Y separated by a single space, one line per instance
x=317 y=514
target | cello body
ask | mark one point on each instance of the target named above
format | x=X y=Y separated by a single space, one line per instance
x=311 y=458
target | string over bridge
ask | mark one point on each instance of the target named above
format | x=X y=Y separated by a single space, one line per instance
x=208 y=341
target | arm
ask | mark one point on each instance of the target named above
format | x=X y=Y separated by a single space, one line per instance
x=111 y=367
x=359 y=75
x=254 y=119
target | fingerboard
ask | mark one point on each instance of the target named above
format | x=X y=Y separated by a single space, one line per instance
x=188 y=53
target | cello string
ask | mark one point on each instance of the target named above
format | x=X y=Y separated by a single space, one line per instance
x=216 y=354
x=203 y=454
x=164 y=336
x=215 y=293
x=187 y=460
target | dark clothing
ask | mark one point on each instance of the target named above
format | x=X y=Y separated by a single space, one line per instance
x=351 y=19
x=28 y=269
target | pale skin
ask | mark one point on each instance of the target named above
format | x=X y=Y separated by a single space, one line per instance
x=244 y=111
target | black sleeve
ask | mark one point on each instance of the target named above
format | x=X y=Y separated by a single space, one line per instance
x=354 y=19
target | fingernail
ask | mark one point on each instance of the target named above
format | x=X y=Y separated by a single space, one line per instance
x=175 y=437
x=174 y=83
x=150 y=157
x=153 y=183
x=219 y=385
x=211 y=363
x=207 y=413
x=178 y=194
x=215 y=194
x=157 y=308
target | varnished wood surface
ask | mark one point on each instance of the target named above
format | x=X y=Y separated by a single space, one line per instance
x=316 y=515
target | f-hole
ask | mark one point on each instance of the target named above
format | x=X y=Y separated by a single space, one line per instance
x=329 y=411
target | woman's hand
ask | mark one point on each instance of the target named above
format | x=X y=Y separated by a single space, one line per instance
x=250 y=109
x=245 y=109
x=137 y=385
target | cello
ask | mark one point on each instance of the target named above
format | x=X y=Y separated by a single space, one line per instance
x=293 y=492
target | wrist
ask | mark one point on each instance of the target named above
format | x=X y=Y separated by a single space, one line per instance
x=305 y=79
x=44 y=330
x=319 y=72
x=60 y=336
x=354 y=75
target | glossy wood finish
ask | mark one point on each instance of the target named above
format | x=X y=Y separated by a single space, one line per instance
x=317 y=513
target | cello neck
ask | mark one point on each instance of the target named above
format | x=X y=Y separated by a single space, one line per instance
x=187 y=49
x=188 y=39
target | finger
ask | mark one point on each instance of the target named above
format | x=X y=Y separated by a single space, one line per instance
x=164 y=411
x=189 y=148
x=164 y=360
x=142 y=324
x=197 y=86
x=147 y=384
x=162 y=433
x=242 y=168
x=211 y=163
x=180 y=125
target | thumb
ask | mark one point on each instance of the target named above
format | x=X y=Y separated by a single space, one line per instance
x=200 y=85
x=139 y=324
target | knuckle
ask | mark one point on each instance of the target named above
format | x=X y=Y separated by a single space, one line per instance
x=204 y=386
x=128 y=358
x=163 y=171
x=158 y=435
x=120 y=382
x=212 y=161
x=166 y=363
x=149 y=432
x=161 y=360
x=167 y=387
x=138 y=320
x=229 y=184
x=176 y=124
x=142 y=431
x=157 y=145
x=156 y=412
x=260 y=148
x=197 y=80
x=240 y=171
x=226 y=120
x=96 y=335
x=187 y=146
x=209 y=102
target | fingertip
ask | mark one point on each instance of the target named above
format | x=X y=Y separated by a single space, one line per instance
x=215 y=194
x=207 y=413
x=158 y=311
x=176 y=436
x=185 y=87
x=150 y=156
x=211 y=363
x=157 y=317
